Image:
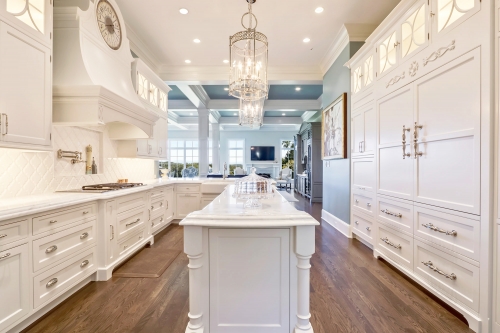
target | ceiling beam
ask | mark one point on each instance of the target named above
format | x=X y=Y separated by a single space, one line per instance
x=195 y=94
x=267 y=121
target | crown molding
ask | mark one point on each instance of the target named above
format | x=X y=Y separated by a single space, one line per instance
x=139 y=47
x=348 y=33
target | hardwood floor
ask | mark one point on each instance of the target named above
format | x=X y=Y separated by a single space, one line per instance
x=351 y=291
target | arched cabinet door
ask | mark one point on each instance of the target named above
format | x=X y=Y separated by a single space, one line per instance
x=447 y=14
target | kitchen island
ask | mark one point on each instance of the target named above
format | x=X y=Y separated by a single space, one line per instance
x=249 y=268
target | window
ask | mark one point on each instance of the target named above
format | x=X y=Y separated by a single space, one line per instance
x=182 y=154
x=236 y=154
x=287 y=154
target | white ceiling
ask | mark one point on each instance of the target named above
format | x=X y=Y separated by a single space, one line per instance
x=169 y=35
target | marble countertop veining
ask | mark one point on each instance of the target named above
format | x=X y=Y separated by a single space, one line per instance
x=11 y=208
x=226 y=211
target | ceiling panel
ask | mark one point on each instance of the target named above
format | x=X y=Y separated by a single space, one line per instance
x=217 y=92
x=291 y=92
x=283 y=114
x=176 y=94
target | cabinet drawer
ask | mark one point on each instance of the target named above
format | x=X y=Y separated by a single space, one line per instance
x=54 y=221
x=130 y=242
x=453 y=277
x=188 y=188
x=56 y=247
x=456 y=233
x=363 y=226
x=55 y=281
x=395 y=213
x=363 y=175
x=131 y=202
x=362 y=203
x=158 y=206
x=129 y=221
x=157 y=195
x=396 y=245
x=13 y=231
x=158 y=223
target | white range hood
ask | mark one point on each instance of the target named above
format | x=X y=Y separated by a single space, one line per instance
x=92 y=82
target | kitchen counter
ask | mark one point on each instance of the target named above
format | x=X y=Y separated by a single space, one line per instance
x=20 y=206
x=249 y=269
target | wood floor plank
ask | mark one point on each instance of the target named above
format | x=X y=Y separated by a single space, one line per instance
x=351 y=292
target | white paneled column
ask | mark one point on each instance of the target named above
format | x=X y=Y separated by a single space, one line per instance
x=215 y=148
x=203 y=132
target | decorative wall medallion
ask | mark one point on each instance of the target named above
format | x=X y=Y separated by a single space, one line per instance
x=439 y=53
x=413 y=68
x=101 y=114
x=395 y=80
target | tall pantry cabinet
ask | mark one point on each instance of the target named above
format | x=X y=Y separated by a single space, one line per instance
x=422 y=150
x=26 y=74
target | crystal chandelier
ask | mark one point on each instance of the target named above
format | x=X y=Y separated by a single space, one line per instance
x=248 y=60
x=252 y=113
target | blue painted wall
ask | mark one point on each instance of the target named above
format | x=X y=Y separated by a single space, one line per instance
x=337 y=176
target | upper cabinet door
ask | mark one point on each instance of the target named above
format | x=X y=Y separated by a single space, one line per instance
x=414 y=31
x=368 y=72
x=388 y=52
x=446 y=135
x=356 y=79
x=25 y=90
x=447 y=14
x=33 y=17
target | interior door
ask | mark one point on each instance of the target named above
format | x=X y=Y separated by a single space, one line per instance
x=25 y=89
x=447 y=112
x=395 y=166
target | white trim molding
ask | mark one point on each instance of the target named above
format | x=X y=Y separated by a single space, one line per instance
x=348 y=33
x=337 y=223
x=141 y=49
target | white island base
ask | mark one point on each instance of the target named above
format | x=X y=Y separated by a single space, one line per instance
x=249 y=269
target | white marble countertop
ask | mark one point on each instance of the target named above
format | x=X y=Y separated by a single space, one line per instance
x=226 y=211
x=20 y=206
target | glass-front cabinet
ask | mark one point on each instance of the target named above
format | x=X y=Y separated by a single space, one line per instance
x=362 y=75
x=447 y=14
x=33 y=17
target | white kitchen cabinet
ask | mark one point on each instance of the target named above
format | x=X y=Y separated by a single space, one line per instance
x=363 y=126
x=363 y=75
x=187 y=203
x=447 y=14
x=14 y=285
x=415 y=30
x=170 y=202
x=25 y=90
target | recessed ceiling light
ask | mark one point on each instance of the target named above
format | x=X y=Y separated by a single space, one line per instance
x=191 y=114
x=187 y=61
x=183 y=11
x=226 y=89
x=298 y=88
x=283 y=114
x=235 y=114
x=306 y=40
x=319 y=10
x=196 y=40
x=226 y=61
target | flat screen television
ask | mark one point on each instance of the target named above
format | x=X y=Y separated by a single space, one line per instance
x=261 y=153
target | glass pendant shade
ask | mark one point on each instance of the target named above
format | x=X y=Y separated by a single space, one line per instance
x=251 y=113
x=248 y=62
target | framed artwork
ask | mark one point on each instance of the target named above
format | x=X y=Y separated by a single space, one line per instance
x=334 y=129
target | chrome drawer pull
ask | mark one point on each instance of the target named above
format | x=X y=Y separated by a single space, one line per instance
x=433 y=227
x=51 y=282
x=405 y=154
x=84 y=235
x=51 y=249
x=3 y=236
x=437 y=270
x=84 y=263
x=129 y=224
x=5 y=256
x=85 y=213
x=53 y=221
x=368 y=228
x=388 y=242
x=388 y=212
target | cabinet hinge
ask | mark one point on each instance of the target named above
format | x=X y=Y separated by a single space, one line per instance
x=428 y=36
x=50 y=136
x=50 y=58
x=51 y=35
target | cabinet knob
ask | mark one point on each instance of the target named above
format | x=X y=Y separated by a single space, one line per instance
x=356 y=222
x=368 y=228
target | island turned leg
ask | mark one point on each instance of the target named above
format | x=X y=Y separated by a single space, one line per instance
x=304 y=251
x=194 y=250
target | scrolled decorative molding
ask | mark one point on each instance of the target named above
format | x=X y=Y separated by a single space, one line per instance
x=413 y=68
x=439 y=53
x=395 y=80
x=101 y=114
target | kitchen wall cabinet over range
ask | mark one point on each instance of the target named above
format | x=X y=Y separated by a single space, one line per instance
x=26 y=74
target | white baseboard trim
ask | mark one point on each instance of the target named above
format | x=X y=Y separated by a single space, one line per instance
x=337 y=223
